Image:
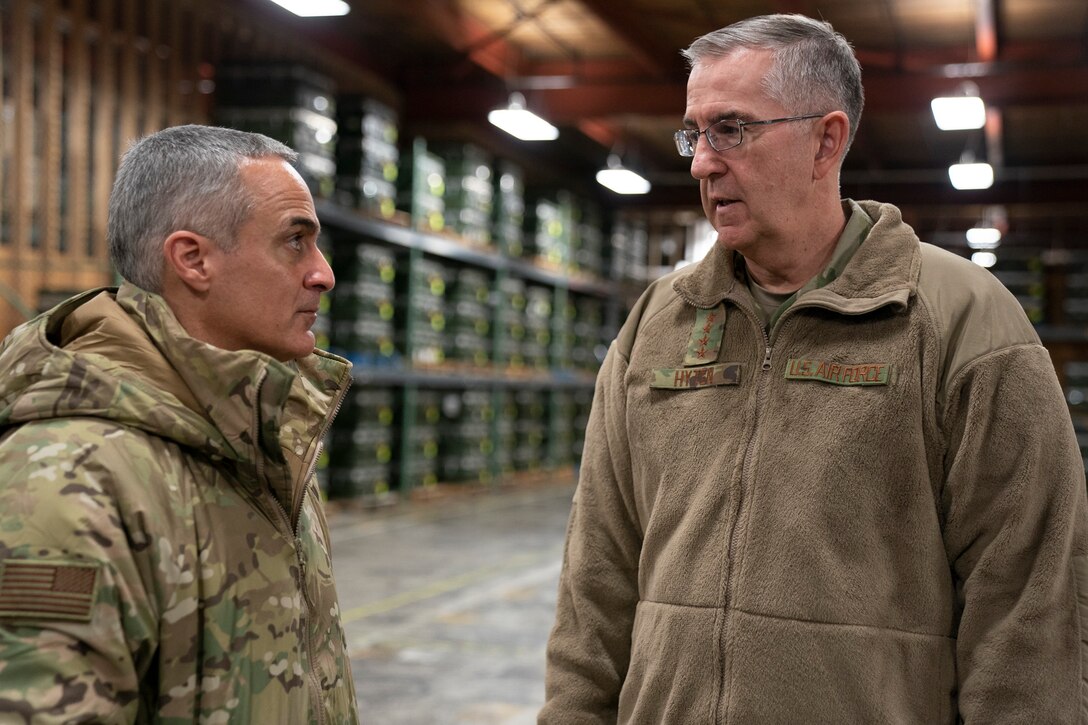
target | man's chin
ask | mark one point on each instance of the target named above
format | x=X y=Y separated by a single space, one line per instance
x=300 y=349
x=731 y=239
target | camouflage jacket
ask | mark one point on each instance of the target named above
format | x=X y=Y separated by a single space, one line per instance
x=164 y=556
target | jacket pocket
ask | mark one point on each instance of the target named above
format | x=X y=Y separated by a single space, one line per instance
x=786 y=671
x=674 y=665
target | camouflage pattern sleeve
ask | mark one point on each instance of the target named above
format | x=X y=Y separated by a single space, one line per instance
x=76 y=624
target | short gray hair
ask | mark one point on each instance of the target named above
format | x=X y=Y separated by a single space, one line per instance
x=184 y=177
x=814 y=69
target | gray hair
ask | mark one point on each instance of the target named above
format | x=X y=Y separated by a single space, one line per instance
x=185 y=177
x=814 y=68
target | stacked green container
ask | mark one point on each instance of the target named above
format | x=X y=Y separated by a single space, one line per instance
x=587 y=239
x=509 y=205
x=564 y=346
x=506 y=442
x=538 y=327
x=367 y=156
x=469 y=324
x=290 y=103
x=628 y=248
x=418 y=444
x=549 y=229
x=361 y=446
x=421 y=320
x=363 y=304
x=587 y=332
x=421 y=184
x=466 y=442
x=470 y=191
x=531 y=428
x=511 y=320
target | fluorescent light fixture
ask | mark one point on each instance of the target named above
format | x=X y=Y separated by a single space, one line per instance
x=956 y=113
x=984 y=259
x=983 y=237
x=314 y=8
x=621 y=180
x=519 y=121
x=971 y=175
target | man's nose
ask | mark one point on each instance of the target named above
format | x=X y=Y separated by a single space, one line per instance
x=706 y=160
x=320 y=275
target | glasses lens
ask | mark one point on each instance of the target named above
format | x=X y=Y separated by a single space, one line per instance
x=685 y=141
x=724 y=134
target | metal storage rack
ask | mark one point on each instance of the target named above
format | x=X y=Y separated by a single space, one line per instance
x=560 y=384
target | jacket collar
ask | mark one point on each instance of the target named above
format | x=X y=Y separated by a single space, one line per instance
x=272 y=414
x=263 y=415
x=883 y=271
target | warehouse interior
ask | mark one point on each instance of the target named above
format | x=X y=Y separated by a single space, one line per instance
x=481 y=277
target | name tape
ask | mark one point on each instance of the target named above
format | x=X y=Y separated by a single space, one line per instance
x=839 y=373
x=690 y=378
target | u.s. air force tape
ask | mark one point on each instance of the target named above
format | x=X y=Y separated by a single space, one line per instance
x=877 y=373
x=707 y=376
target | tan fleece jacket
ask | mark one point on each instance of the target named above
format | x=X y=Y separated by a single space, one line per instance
x=876 y=516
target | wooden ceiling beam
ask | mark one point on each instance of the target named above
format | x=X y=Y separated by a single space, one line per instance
x=482 y=46
x=631 y=28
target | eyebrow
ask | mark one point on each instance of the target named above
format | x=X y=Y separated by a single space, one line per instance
x=306 y=223
x=730 y=114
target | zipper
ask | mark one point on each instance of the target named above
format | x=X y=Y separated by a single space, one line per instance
x=337 y=404
x=746 y=469
x=319 y=705
x=291 y=524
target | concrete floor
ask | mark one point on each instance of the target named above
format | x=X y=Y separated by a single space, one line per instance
x=448 y=603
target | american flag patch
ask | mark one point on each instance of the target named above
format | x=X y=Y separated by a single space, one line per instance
x=47 y=589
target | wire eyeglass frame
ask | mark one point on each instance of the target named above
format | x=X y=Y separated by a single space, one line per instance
x=688 y=138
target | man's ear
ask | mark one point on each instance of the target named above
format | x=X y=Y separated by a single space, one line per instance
x=834 y=131
x=191 y=258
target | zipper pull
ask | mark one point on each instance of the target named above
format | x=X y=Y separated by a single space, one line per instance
x=767 y=358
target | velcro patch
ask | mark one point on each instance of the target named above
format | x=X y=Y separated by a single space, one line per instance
x=47 y=589
x=704 y=377
x=706 y=336
x=839 y=373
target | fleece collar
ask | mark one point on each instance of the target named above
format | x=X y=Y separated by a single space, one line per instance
x=883 y=271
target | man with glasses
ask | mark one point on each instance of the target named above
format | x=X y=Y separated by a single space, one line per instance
x=829 y=474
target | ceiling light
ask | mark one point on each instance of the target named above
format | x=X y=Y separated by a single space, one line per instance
x=970 y=175
x=984 y=259
x=962 y=111
x=958 y=113
x=314 y=8
x=519 y=121
x=983 y=237
x=621 y=180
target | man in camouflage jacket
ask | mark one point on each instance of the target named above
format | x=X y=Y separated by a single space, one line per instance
x=164 y=556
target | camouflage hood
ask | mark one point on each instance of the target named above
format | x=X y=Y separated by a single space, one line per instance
x=164 y=486
x=122 y=355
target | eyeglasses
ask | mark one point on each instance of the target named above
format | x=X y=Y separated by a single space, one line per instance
x=724 y=134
